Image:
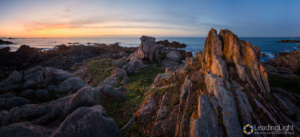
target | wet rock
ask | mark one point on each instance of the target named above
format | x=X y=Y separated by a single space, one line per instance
x=16 y=102
x=118 y=72
x=42 y=93
x=69 y=85
x=125 y=80
x=88 y=121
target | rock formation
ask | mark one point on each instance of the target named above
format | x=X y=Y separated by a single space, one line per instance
x=147 y=50
x=217 y=94
x=290 y=61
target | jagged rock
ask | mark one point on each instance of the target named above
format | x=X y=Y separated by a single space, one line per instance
x=110 y=91
x=147 y=49
x=110 y=81
x=185 y=88
x=125 y=80
x=164 y=78
x=207 y=125
x=56 y=74
x=42 y=93
x=129 y=69
x=54 y=112
x=88 y=121
x=174 y=56
x=144 y=114
x=216 y=87
x=69 y=85
x=12 y=81
x=28 y=92
x=219 y=67
x=16 y=102
x=163 y=111
x=118 y=72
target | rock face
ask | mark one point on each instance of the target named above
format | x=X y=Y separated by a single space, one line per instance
x=217 y=93
x=290 y=61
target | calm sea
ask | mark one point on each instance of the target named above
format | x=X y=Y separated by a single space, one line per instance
x=267 y=45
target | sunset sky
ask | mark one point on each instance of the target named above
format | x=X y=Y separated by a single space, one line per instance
x=97 y=18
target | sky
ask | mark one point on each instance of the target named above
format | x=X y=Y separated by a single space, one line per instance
x=178 y=18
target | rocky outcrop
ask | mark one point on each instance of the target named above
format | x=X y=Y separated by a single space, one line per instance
x=5 y=42
x=147 y=50
x=217 y=93
x=174 y=44
x=289 y=41
x=290 y=61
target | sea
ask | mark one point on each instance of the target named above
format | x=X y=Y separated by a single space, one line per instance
x=268 y=45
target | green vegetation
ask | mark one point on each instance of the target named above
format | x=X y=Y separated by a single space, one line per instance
x=134 y=131
x=235 y=76
x=122 y=110
x=289 y=84
x=100 y=70
x=189 y=112
x=223 y=57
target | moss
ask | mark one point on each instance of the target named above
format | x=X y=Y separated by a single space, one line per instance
x=100 y=70
x=134 y=131
x=174 y=103
x=189 y=112
x=289 y=84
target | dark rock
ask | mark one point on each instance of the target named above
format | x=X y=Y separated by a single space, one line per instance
x=25 y=129
x=16 y=102
x=288 y=41
x=69 y=85
x=88 y=121
x=118 y=72
x=42 y=93
x=125 y=80
x=5 y=42
x=28 y=92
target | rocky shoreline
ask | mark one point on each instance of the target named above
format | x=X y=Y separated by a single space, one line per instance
x=110 y=90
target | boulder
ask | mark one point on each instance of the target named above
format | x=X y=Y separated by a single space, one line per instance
x=28 y=92
x=110 y=91
x=16 y=102
x=137 y=63
x=110 y=81
x=119 y=63
x=69 y=85
x=42 y=93
x=118 y=72
x=290 y=61
x=54 y=112
x=37 y=76
x=125 y=80
x=56 y=74
x=174 y=56
x=88 y=121
x=25 y=129
x=12 y=81
x=164 y=78
x=29 y=83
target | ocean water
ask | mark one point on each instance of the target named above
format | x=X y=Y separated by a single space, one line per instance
x=267 y=45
